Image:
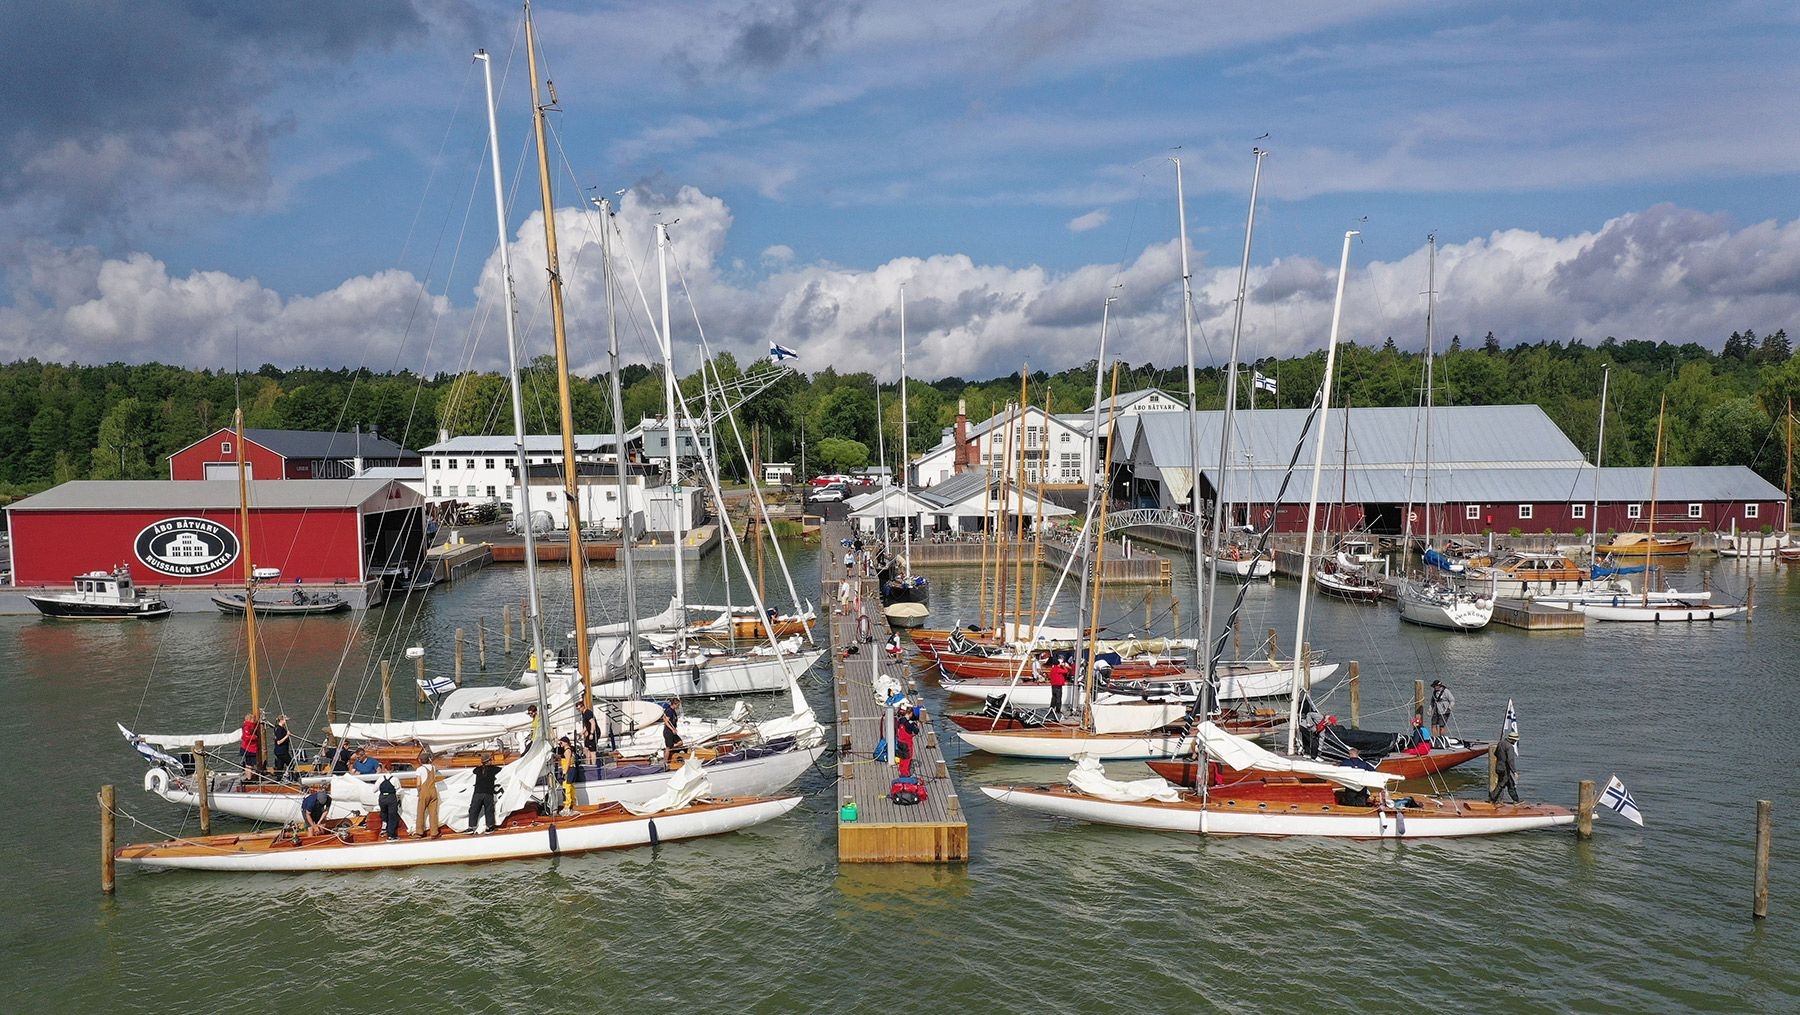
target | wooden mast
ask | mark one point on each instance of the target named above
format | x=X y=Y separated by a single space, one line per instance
x=571 y=486
x=249 y=581
x=1037 y=522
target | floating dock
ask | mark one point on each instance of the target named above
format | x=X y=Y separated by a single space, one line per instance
x=881 y=831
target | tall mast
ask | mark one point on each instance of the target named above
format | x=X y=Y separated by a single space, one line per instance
x=668 y=355
x=627 y=535
x=1037 y=523
x=1099 y=556
x=1019 y=492
x=1430 y=322
x=237 y=419
x=522 y=462
x=1201 y=575
x=1650 y=529
x=571 y=495
x=905 y=450
x=1599 y=450
x=1312 y=503
x=1100 y=468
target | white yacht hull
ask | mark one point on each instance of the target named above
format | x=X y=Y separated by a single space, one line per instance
x=1665 y=613
x=752 y=777
x=1051 y=747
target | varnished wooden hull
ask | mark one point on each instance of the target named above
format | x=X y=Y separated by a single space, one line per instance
x=1406 y=766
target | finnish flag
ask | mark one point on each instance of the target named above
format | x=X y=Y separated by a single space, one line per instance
x=1263 y=382
x=1617 y=797
x=777 y=353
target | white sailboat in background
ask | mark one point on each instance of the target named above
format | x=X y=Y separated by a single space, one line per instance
x=1427 y=602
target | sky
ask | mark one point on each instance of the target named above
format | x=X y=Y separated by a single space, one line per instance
x=218 y=184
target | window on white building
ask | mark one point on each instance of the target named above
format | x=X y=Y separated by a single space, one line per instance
x=1065 y=438
x=450 y=463
x=490 y=463
x=1525 y=512
x=468 y=463
x=1634 y=510
x=491 y=494
x=1694 y=510
x=509 y=491
x=437 y=491
x=1472 y=512
x=1578 y=511
x=1750 y=510
x=434 y=463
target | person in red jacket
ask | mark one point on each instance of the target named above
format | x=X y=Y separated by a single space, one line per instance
x=251 y=742
x=906 y=727
x=1059 y=673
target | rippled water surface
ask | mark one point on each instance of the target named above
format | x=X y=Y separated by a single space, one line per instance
x=1048 y=916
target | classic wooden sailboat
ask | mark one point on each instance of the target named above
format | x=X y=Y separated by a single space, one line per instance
x=1426 y=602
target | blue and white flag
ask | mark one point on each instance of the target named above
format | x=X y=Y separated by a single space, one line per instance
x=1617 y=797
x=777 y=353
x=1262 y=382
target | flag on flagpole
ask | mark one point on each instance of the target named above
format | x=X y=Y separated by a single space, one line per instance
x=777 y=353
x=1511 y=723
x=1617 y=797
x=1263 y=382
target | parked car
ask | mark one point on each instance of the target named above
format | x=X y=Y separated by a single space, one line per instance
x=835 y=491
x=828 y=480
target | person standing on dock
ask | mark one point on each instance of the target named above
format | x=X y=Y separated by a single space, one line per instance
x=1506 y=768
x=1443 y=703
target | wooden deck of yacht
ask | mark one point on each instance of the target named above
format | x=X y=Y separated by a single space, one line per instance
x=932 y=831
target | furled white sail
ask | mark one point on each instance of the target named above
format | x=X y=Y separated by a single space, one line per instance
x=687 y=785
x=1089 y=777
x=1237 y=753
x=173 y=741
x=438 y=734
x=670 y=619
x=1136 y=716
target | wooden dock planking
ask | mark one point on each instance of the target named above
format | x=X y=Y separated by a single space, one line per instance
x=933 y=831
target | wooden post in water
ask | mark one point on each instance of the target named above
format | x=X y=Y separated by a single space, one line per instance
x=1355 y=696
x=1147 y=614
x=417 y=652
x=387 y=691
x=524 y=634
x=505 y=629
x=1274 y=645
x=1306 y=665
x=202 y=786
x=1419 y=699
x=456 y=674
x=1584 y=809
x=1764 y=815
x=481 y=642
x=106 y=839
x=1750 y=604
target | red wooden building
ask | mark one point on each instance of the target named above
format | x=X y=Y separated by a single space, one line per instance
x=327 y=532
x=288 y=454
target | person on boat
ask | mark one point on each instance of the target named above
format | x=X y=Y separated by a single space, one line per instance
x=532 y=735
x=362 y=764
x=1059 y=678
x=565 y=772
x=1506 y=768
x=481 y=802
x=428 y=777
x=1443 y=703
x=387 y=800
x=1354 y=759
x=250 y=744
x=590 y=730
x=337 y=759
x=671 y=724
x=282 y=744
x=313 y=808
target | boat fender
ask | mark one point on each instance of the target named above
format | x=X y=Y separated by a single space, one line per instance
x=1399 y=824
x=555 y=850
x=654 y=838
x=155 y=781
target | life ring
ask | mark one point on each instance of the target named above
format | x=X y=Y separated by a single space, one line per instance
x=1235 y=554
x=1412 y=516
x=1267 y=514
x=156 y=781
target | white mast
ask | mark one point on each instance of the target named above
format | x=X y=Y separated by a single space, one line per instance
x=1237 y=329
x=518 y=401
x=1430 y=312
x=668 y=355
x=1599 y=450
x=627 y=533
x=905 y=456
x=1312 y=502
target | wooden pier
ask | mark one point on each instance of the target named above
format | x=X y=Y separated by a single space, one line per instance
x=932 y=831
x=1529 y=616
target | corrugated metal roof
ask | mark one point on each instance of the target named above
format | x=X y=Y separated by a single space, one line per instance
x=1510 y=436
x=203 y=495
x=314 y=444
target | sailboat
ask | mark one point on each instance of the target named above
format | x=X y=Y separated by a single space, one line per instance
x=1348 y=572
x=898 y=583
x=1287 y=795
x=1663 y=611
x=1426 y=602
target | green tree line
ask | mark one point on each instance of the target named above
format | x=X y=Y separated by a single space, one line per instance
x=66 y=421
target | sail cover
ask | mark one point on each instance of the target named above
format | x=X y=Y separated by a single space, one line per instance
x=1089 y=777
x=438 y=734
x=688 y=784
x=670 y=619
x=1237 y=753
x=174 y=741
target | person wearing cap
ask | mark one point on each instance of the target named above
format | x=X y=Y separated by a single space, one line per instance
x=1442 y=704
x=1506 y=768
x=313 y=808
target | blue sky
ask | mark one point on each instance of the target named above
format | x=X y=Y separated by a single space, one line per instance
x=305 y=183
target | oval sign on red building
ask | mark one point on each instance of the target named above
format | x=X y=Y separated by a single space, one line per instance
x=186 y=547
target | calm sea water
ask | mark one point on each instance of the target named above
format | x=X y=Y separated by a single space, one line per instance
x=1048 y=915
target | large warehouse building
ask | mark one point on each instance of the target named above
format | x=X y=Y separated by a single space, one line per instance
x=347 y=534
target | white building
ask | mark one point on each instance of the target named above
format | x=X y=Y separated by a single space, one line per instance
x=1055 y=448
x=481 y=469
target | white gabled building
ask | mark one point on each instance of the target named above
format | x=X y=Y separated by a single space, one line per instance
x=1055 y=448
x=479 y=469
x=967 y=503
